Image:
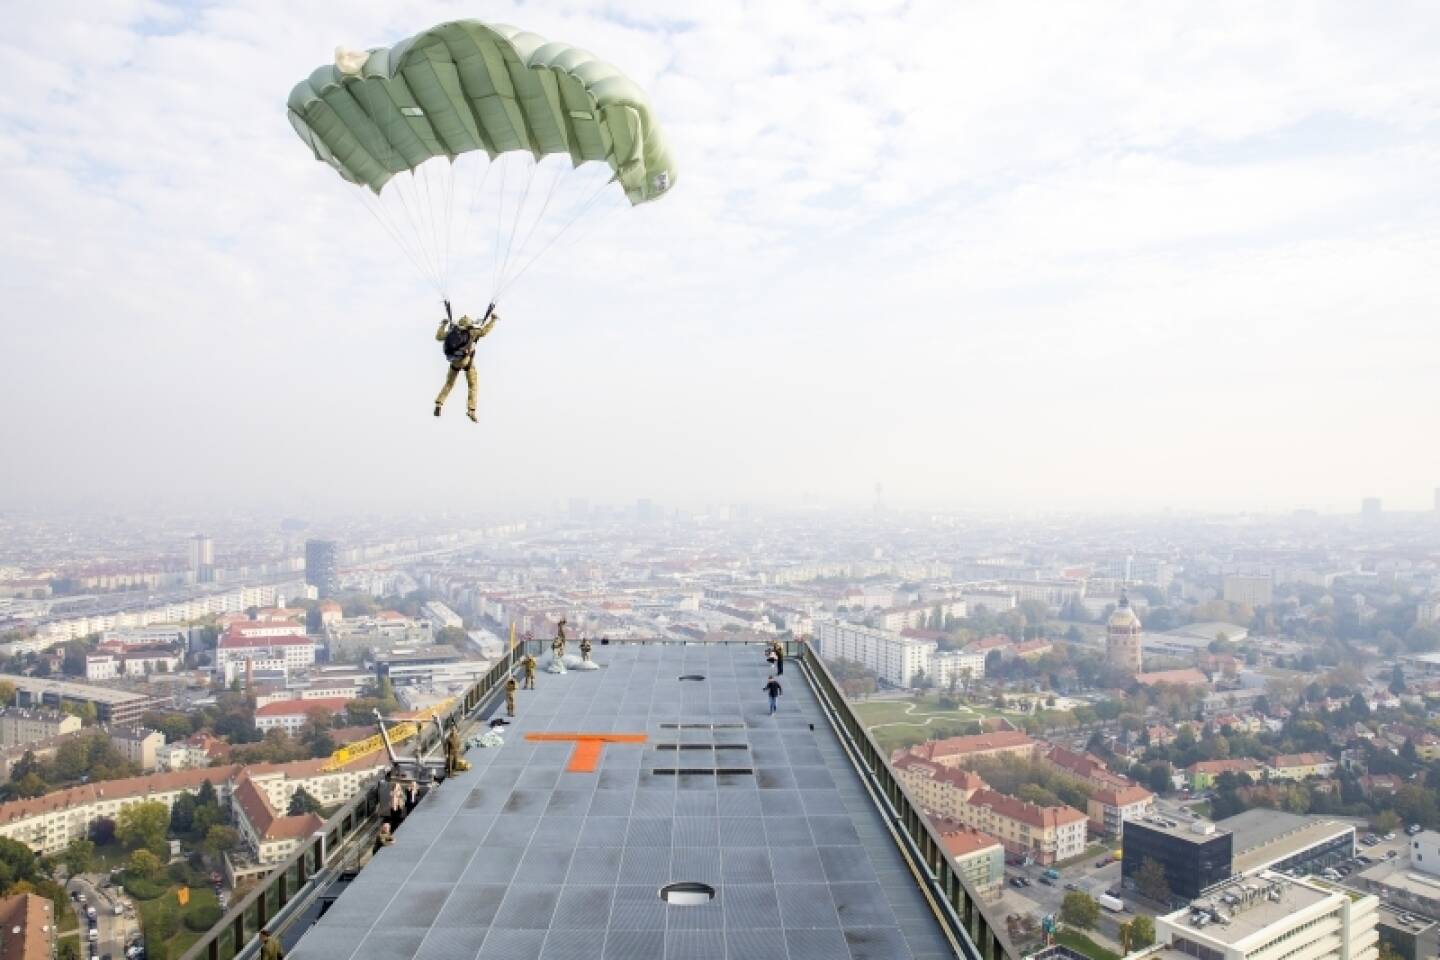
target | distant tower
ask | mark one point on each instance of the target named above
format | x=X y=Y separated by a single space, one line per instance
x=202 y=558
x=321 y=569
x=879 y=497
x=1122 y=638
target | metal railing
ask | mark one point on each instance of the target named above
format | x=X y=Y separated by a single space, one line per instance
x=972 y=932
x=314 y=863
x=311 y=865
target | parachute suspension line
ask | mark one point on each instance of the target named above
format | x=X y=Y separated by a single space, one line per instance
x=514 y=226
x=428 y=218
x=449 y=217
x=470 y=224
x=580 y=211
x=534 y=224
x=499 y=225
x=430 y=272
x=395 y=235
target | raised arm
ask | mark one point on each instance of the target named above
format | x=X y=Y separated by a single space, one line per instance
x=444 y=329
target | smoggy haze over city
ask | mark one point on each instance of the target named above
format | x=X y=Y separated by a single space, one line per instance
x=1020 y=256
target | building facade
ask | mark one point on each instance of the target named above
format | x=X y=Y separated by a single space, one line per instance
x=1195 y=856
x=322 y=569
x=19 y=726
x=896 y=659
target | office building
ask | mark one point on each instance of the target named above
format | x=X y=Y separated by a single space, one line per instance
x=1270 y=916
x=322 y=567
x=1276 y=840
x=111 y=706
x=897 y=659
x=202 y=558
x=1195 y=856
x=1123 y=638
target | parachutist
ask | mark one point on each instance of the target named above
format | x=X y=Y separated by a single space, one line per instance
x=459 y=340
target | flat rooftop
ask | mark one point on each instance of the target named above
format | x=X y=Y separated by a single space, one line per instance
x=519 y=858
x=1184 y=829
x=1242 y=921
x=37 y=686
x=1263 y=837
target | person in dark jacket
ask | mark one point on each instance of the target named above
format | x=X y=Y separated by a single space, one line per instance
x=773 y=691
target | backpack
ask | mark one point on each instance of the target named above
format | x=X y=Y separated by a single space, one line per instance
x=457 y=343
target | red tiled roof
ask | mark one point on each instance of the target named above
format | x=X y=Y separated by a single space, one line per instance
x=256 y=808
x=1122 y=796
x=1189 y=676
x=1014 y=808
x=1239 y=765
x=959 y=779
x=961 y=843
x=234 y=641
x=28 y=915
x=115 y=789
x=1084 y=765
x=975 y=743
x=1300 y=760
x=285 y=708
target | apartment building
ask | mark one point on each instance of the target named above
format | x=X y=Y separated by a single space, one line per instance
x=19 y=726
x=1083 y=766
x=961 y=751
x=139 y=745
x=1110 y=807
x=958 y=667
x=291 y=651
x=1045 y=834
x=47 y=823
x=292 y=715
x=978 y=857
x=897 y=659
x=1298 y=766
x=269 y=835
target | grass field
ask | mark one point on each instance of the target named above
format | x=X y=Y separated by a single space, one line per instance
x=900 y=723
x=1080 y=943
x=183 y=937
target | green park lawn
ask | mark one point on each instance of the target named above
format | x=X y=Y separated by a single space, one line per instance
x=150 y=911
x=1080 y=943
x=900 y=723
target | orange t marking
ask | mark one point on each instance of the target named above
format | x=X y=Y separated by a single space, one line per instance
x=588 y=746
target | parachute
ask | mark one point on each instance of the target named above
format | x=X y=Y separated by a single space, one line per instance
x=457 y=125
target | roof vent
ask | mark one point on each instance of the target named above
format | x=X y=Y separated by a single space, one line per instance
x=692 y=676
x=687 y=893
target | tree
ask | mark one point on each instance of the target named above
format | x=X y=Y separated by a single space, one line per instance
x=1079 y=909
x=7 y=693
x=302 y=802
x=1151 y=880
x=144 y=864
x=221 y=839
x=1142 y=932
x=102 y=831
x=182 y=814
x=1386 y=821
x=67 y=950
x=17 y=861
x=1397 y=680
x=206 y=795
x=1158 y=778
x=78 y=856
x=143 y=825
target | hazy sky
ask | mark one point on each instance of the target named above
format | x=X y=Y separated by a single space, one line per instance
x=1090 y=254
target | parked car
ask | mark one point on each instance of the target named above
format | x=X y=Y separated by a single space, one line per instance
x=1388 y=837
x=1047 y=881
x=1015 y=882
x=1072 y=885
x=1413 y=829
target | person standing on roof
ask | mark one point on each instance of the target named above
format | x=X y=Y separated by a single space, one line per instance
x=270 y=947
x=529 y=664
x=460 y=339
x=510 y=688
x=773 y=691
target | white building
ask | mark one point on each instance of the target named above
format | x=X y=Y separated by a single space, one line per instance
x=896 y=659
x=1252 y=590
x=1269 y=916
x=19 y=726
x=442 y=616
x=957 y=664
x=290 y=651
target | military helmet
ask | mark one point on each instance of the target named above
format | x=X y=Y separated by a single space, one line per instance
x=464 y=322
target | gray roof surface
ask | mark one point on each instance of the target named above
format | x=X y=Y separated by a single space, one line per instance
x=521 y=860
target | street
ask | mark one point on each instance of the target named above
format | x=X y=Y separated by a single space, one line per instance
x=113 y=932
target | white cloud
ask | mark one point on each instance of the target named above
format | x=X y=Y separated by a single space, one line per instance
x=976 y=250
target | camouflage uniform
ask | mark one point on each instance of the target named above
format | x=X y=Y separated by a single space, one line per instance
x=585 y=649
x=529 y=664
x=510 y=687
x=270 y=948
x=465 y=361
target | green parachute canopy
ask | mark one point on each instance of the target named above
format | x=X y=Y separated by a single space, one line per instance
x=471 y=88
